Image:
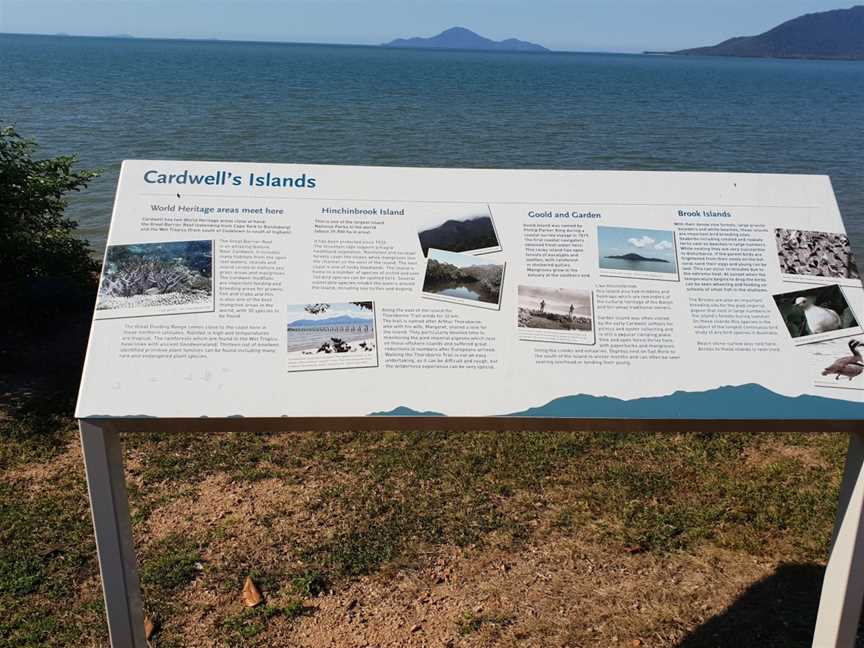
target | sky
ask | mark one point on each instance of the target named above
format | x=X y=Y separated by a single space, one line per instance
x=650 y=243
x=574 y=25
x=460 y=259
x=298 y=312
x=438 y=216
x=558 y=300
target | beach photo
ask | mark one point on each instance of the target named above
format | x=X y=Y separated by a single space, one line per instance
x=637 y=253
x=156 y=279
x=463 y=279
x=555 y=315
x=838 y=364
x=331 y=336
x=817 y=314
x=816 y=257
x=459 y=229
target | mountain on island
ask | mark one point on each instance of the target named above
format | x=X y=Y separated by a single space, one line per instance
x=465 y=39
x=632 y=256
x=339 y=320
x=460 y=235
x=836 y=34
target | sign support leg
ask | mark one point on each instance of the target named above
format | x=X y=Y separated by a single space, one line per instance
x=109 y=506
x=843 y=585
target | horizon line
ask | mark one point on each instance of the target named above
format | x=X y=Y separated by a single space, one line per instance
x=215 y=39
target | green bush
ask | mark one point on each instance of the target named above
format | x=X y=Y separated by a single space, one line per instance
x=45 y=269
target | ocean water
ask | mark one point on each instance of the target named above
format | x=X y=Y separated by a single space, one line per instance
x=637 y=266
x=109 y=99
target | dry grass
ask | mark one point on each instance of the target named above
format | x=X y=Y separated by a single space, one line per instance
x=429 y=539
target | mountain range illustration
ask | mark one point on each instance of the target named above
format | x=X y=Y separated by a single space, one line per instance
x=339 y=320
x=744 y=402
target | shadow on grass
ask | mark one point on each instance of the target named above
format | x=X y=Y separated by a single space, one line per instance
x=777 y=612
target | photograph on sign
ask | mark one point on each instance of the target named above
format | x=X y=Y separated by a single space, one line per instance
x=145 y=279
x=463 y=279
x=331 y=336
x=817 y=314
x=637 y=253
x=816 y=257
x=459 y=229
x=839 y=363
x=564 y=315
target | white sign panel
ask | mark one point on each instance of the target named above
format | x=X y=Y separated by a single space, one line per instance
x=255 y=290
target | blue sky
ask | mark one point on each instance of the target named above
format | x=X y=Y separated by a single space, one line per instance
x=650 y=243
x=595 y=25
x=297 y=312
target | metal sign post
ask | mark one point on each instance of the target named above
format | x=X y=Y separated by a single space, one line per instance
x=842 y=591
x=843 y=585
x=106 y=483
x=242 y=297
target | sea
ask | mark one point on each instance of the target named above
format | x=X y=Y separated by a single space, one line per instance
x=106 y=99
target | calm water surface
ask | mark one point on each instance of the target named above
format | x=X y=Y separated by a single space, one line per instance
x=110 y=99
x=637 y=266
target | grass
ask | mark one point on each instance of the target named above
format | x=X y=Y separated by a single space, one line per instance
x=376 y=503
x=47 y=557
x=172 y=563
x=243 y=628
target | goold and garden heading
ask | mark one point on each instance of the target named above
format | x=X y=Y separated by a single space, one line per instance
x=229 y=178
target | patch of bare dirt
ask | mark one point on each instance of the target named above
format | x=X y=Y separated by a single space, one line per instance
x=767 y=454
x=42 y=475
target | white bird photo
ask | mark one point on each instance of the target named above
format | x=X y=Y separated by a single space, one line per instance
x=817 y=314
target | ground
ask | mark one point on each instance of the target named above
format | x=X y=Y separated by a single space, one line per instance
x=426 y=538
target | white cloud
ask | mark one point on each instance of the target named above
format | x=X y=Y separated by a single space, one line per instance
x=663 y=245
x=645 y=241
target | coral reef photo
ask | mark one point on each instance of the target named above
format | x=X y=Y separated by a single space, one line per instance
x=158 y=276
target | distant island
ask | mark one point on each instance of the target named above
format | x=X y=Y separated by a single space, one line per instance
x=632 y=256
x=465 y=39
x=836 y=34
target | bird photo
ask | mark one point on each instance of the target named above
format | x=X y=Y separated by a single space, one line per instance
x=816 y=257
x=817 y=314
x=819 y=319
x=850 y=366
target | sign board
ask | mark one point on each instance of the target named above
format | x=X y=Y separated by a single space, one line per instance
x=323 y=292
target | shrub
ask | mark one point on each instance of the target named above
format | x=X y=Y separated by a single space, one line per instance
x=45 y=269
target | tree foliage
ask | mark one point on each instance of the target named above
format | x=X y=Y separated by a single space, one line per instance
x=37 y=240
x=47 y=273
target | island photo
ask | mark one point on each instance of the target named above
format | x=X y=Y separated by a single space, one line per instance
x=331 y=336
x=140 y=279
x=458 y=229
x=637 y=253
x=463 y=279
x=555 y=315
